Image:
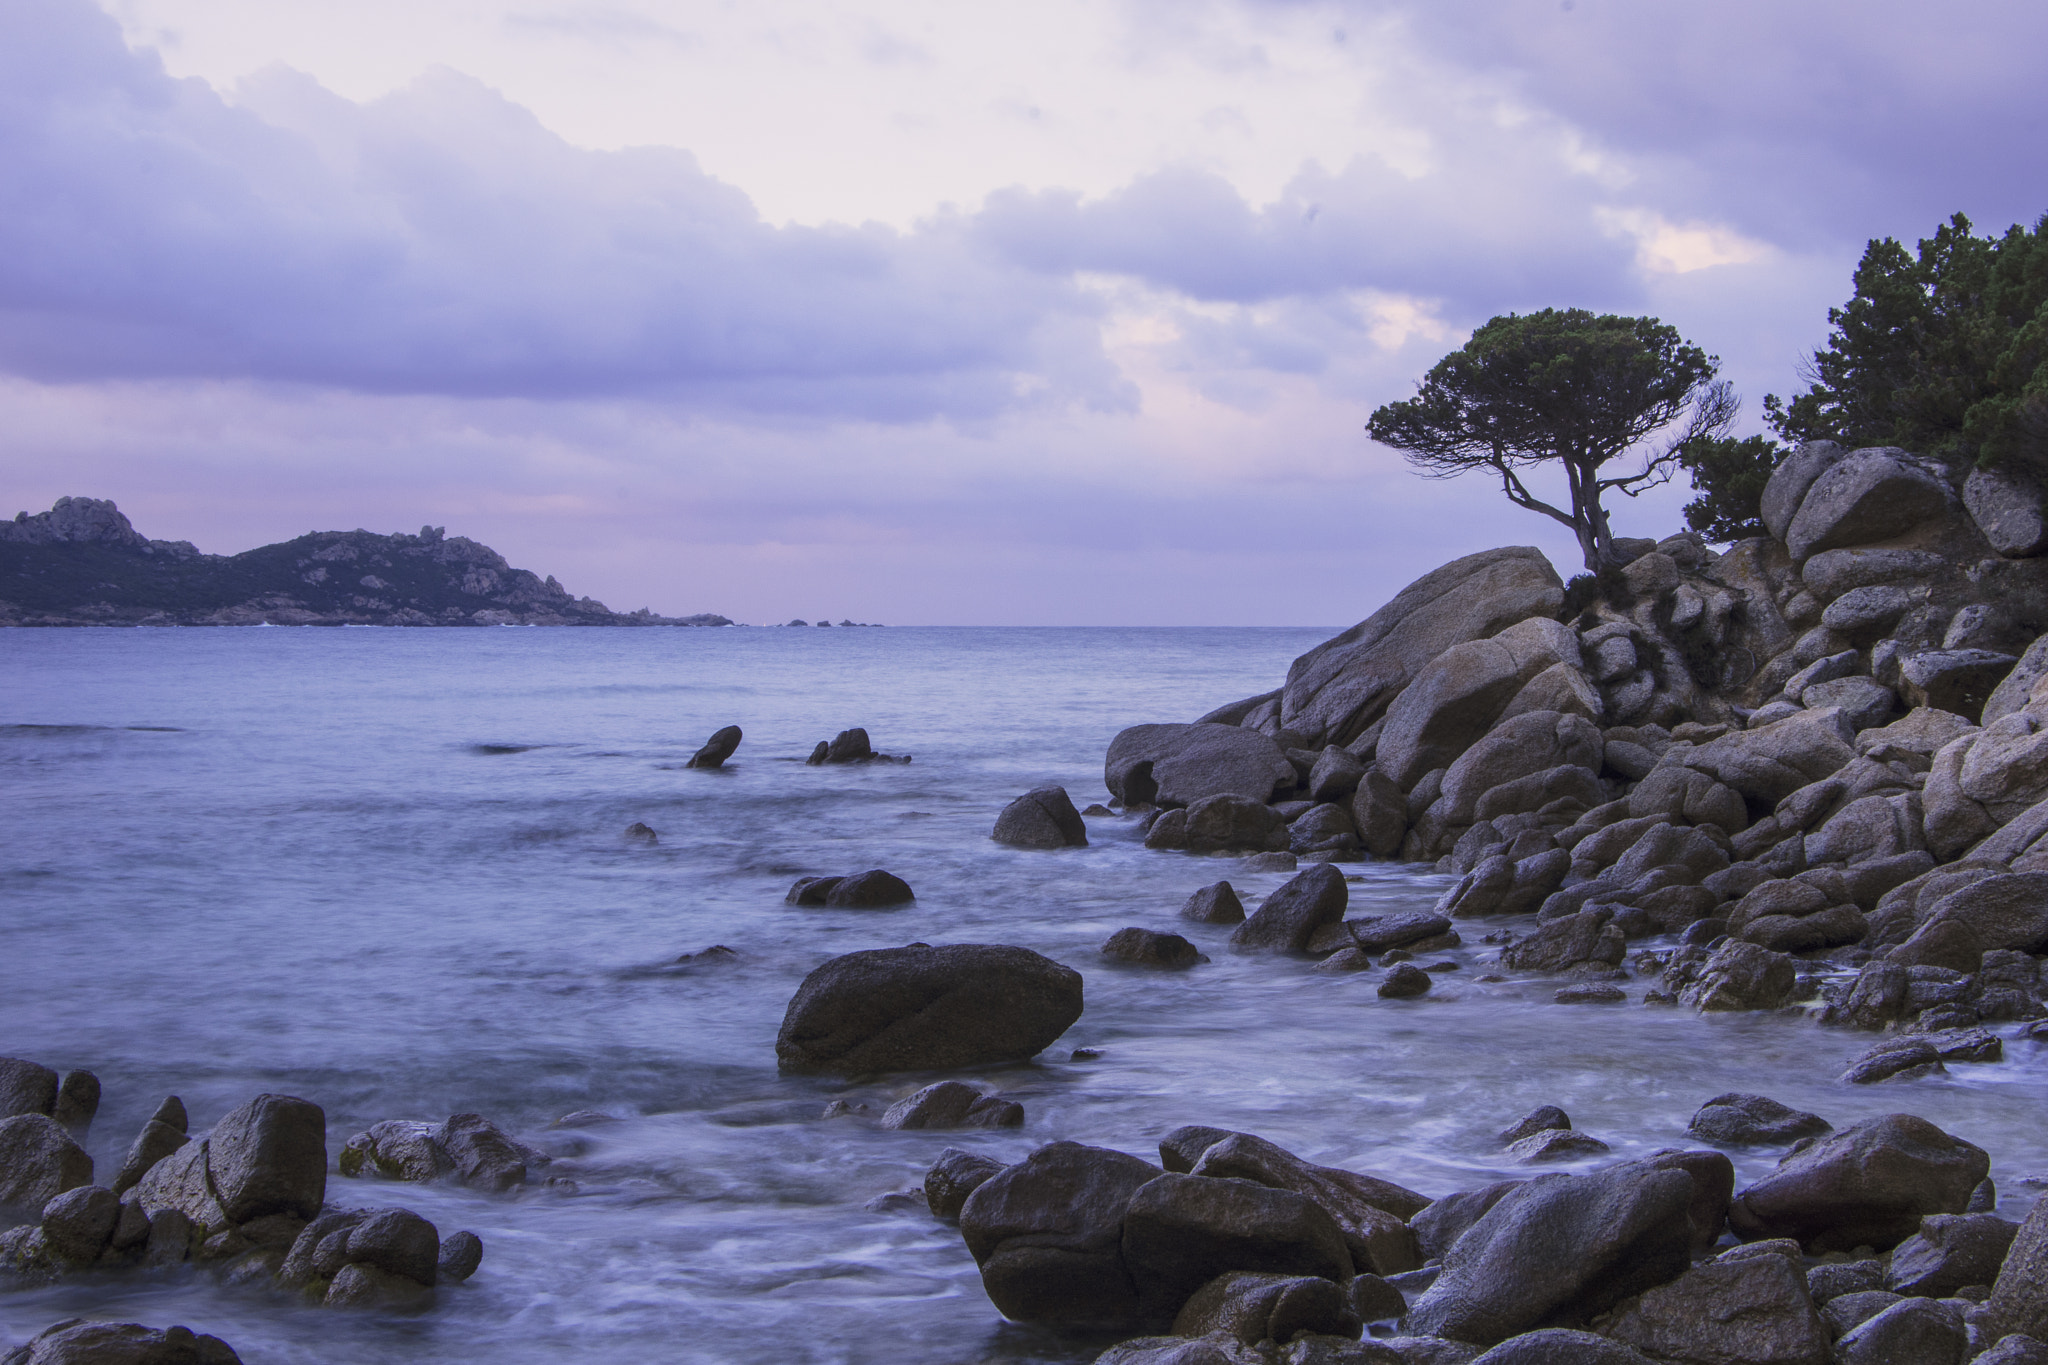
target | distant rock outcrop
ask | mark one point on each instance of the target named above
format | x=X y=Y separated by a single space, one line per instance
x=83 y=564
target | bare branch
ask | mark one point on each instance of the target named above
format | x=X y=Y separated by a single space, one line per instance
x=1522 y=497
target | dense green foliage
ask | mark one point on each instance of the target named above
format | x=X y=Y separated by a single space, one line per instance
x=1729 y=475
x=1943 y=351
x=1561 y=386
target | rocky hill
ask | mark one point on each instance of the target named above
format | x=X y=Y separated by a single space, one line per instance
x=1820 y=759
x=82 y=564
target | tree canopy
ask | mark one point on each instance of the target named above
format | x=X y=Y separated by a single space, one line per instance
x=1562 y=386
x=1943 y=351
x=1729 y=475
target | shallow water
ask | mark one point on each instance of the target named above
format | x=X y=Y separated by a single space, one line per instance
x=383 y=869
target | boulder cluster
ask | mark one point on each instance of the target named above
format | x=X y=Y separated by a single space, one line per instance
x=848 y=746
x=248 y=1197
x=1822 y=752
x=1867 y=1246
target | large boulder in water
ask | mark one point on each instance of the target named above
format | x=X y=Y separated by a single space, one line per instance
x=927 y=1009
x=1047 y=1234
x=1178 y=765
x=1043 y=817
x=1558 y=1250
x=267 y=1157
x=1868 y=1185
x=72 y=1342
x=1346 y=683
x=717 y=749
x=1291 y=915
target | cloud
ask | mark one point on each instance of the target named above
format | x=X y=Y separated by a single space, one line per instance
x=441 y=240
x=1808 y=125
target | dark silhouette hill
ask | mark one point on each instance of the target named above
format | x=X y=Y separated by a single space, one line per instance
x=82 y=563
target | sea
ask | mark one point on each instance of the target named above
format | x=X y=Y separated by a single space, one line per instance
x=386 y=870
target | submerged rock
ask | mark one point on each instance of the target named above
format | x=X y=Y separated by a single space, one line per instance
x=1149 y=948
x=953 y=1104
x=1288 y=918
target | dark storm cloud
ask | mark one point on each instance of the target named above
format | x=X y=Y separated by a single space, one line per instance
x=441 y=240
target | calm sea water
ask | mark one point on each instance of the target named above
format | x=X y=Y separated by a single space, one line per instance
x=384 y=870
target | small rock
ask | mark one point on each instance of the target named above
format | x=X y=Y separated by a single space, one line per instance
x=461 y=1253
x=1271 y=862
x=1950 y=1252
x=1923 y=1331
x=78 y=1224
x=642 y=834
x=952 y=1104
x=872 y=890
x=954 y=1176
x=898 y=1201
x=38 y=1161
x=1148 y=948
x=78 y=1099
x=365 y=1286
x=1214 y=904
x=1595 y=994
x=1555 y=1144
x=1746 y=1120
x=1542 y=1119
x=1405 y=982
x=1907 y=1057
x=717 y=749
x=811 y=890
x=1846 y=1312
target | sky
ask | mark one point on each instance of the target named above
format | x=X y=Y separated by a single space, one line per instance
x=916 y=311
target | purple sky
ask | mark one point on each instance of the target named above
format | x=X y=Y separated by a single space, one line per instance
x=911 y=311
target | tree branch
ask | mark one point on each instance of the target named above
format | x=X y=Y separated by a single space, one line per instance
x=1522 y=497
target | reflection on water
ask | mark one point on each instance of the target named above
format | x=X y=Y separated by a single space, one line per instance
x=385 y=870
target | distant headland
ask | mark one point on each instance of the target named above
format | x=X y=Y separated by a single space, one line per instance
x=83 y=564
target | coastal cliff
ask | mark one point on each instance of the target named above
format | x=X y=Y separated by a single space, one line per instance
x=83 y=564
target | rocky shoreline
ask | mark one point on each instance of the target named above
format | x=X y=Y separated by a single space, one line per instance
x=1808 y=775
x=1815 y=761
